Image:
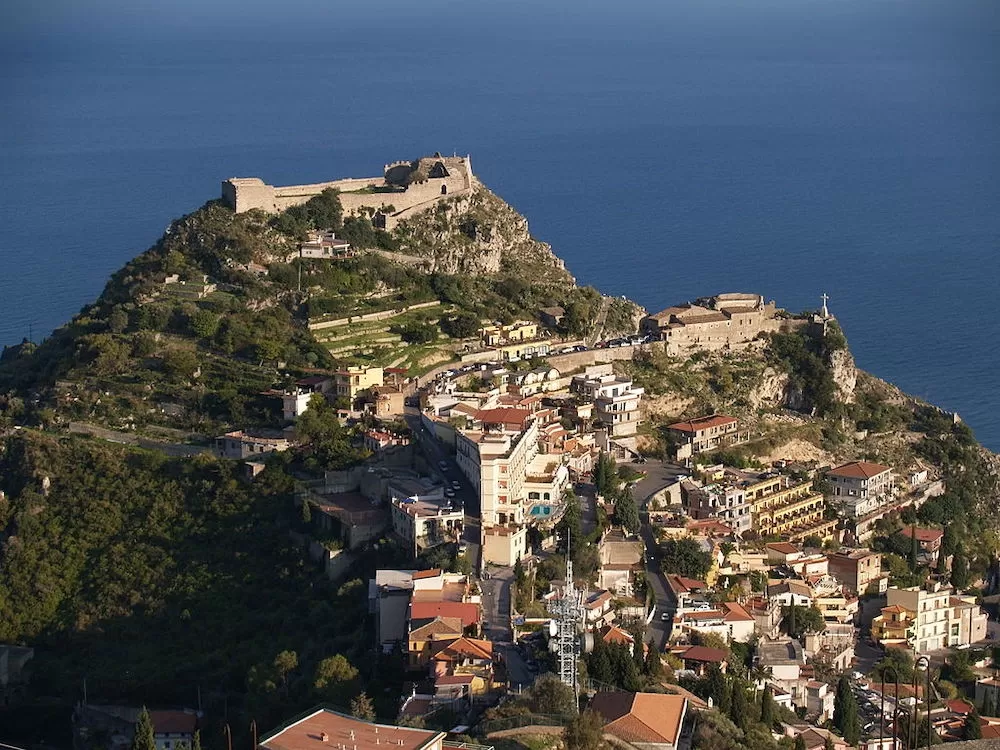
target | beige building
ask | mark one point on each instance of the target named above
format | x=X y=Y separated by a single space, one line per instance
x=498 y=335
x=350 y=382
x=705 y=434
x=860 y=570
x=504 y=545
x=719 y=322
x=928 y=618
x=615 y=398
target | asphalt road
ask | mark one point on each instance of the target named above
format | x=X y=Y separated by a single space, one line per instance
x=658 y=631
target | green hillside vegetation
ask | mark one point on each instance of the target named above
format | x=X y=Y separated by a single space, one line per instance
x=154 y=577
x=208 y=344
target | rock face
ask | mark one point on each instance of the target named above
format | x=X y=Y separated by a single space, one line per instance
x=479 y=234
x=845 y=374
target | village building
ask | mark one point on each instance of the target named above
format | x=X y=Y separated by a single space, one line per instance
x=325 y=727
x=643 y=721
x=350 y=382
x=860 y=570
x=861 y=487
x=425 y=521
x=171 y=729
x=324 y=245
x=724 y=321
x=928 y=618
x=928 y=542
x=705 y=434
x=615 y=398
x=247 y=444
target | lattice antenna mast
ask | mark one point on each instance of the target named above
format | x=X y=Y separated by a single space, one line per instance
x=570 y=618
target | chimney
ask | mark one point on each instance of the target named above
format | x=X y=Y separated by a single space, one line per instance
x=324 y=737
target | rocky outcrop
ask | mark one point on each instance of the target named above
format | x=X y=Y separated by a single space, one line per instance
x=845 y=374
x=479 y=234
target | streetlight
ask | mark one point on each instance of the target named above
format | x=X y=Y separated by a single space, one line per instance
x=925 y=664
x=881 y=722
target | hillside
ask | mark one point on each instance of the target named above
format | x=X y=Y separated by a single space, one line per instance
x=188 y=334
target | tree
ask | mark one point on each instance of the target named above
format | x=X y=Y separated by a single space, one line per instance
x=143 y=738
x=362 y=708
x=626 y=511
x=973 y=729
x=653 y=665
x=959 y=570
x=845 y=712
x=306 y=512
x=196 y=743
x=828 y=743
x=118 y=320
x=685 y=557
x=334 y=670
x=584 y=732
x=740 y=710
x=550 y=696
x=461 y=326
x=767 y=707
x=800 y=620
x=914 y=548
x=800 y=743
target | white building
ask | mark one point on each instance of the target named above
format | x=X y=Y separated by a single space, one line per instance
x=616 y=399
x=861 y=487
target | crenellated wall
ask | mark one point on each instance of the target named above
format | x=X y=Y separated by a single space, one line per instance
x=357 y=194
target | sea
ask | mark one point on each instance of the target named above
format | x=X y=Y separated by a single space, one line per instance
x=667 y=149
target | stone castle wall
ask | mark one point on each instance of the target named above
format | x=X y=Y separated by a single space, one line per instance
x=248 y=193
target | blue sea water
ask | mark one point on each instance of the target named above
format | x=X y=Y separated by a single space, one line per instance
x=667 y=149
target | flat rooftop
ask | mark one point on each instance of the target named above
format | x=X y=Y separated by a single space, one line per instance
x=345 y=731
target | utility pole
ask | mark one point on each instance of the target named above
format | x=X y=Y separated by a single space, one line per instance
x=566 y=626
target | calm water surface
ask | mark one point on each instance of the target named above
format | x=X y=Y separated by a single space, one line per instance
x=667 y=150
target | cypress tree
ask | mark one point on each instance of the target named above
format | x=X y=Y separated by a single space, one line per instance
x=767 y=708
x=196 y=745
x=845 y=712
x=828 y=743
x=740 y=710
x=800 y=743
x=959 y=570
x=914 y=548
x=143 y=738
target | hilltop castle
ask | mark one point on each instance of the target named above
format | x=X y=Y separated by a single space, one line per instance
x=405 y=188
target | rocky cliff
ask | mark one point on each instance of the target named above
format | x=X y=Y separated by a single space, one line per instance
x=479 y=234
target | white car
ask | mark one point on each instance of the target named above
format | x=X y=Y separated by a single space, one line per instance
x=665 y=617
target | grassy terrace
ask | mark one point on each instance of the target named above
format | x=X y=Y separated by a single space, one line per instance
x=373 y=341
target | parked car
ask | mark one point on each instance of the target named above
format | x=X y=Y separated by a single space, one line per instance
x=665 y=617
x=443 y=465
x=455 y=484
x=449 y=492
x=463 y=547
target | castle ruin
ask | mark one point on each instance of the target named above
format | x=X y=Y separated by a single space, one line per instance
x=405 y=188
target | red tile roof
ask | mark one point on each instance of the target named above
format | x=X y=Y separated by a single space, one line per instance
x=173 y=722
x=705 y=654
x=432 y=573
x=958 y=706
x=641 y=717
x=455 y=679
x=858 y=470
x=468 y=612
x=472 y=648
x=736 y=612
x=785 y=548
x=307 y=732
x=503 y=416
x=923 y=535
x=703 y=423
x=682 y=585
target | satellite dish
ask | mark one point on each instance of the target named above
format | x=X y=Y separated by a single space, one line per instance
x=587 y=643
x=553 y=628
x=553 y=646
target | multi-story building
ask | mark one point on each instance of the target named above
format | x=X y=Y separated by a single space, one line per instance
x=424 y=521
x=324 y=245
x=615 y=398
x=240 y=444
x=861 y=487
x=860 y=570
x=780 y=506
x=705 y=433
x=499 y=335
x=726 y=503
x=514 y=481
x=350 y=382
x=928 y=618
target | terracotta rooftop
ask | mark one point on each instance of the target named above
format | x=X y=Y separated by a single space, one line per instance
x=705 y=654
x=641 y=717
x=923 y=535
x=736 y=612
x=307 y=733
x=785 y=548
x=174 y=722
x=503 y=416
x=704 y=423
x=614 y=634
x=467 y=612
x=437 y=626
x=432 y=573
x=472 y=648
x=682 y=585
x=858 y=470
